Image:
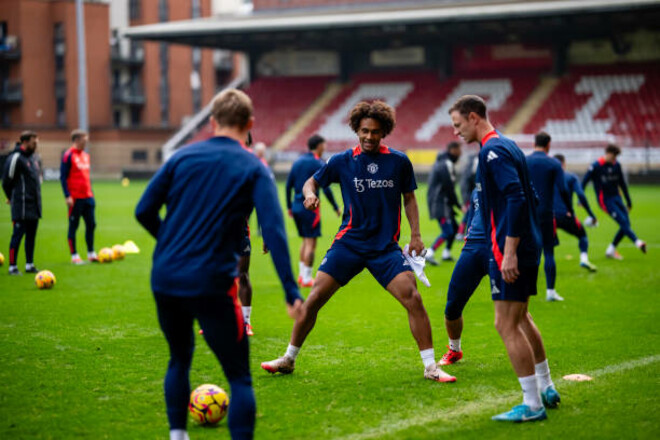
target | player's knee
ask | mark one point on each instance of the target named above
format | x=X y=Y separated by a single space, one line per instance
x=505 y=325
x=453 y=310
x=411 y=298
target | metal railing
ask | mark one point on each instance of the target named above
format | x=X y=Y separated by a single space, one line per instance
x=132 y=94
x=11 y=91
x=195 y=123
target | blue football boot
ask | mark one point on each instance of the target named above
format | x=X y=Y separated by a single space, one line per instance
x=550 y=397
x=521 y=413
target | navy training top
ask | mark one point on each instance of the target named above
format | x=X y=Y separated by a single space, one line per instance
x=304 y=168
x=547 y=176
x=371 y=187
x=508 y=201
x=476 y=232
x=607 y=178
x=210 y=188
x=573 y=187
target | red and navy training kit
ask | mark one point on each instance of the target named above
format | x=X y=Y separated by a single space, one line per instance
x=21 y=182
x=571 y=224
x=509 y=209
x=547 y=177
x=209 y=189
x=307 y=222
x=473 y=263
x=74 y=176
x=371 y=187
x=608 y=178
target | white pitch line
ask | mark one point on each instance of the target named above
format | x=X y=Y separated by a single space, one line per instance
x=489 y=402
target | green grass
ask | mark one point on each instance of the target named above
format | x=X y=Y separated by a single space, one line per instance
x=86 y=359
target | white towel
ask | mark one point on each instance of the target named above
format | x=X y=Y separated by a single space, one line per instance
x=417 y=263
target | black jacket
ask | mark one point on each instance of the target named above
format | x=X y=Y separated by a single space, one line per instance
x=469 y=177
x=441 y=196
x=21 y=181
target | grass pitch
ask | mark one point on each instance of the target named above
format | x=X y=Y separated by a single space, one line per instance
x=86 y=359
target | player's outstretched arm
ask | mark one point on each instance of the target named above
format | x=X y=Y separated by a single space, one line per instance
x=412 y=213
x=583 y=199
x=310 y=191
x=560 y=185
x=269 y=214
x=148 y=208
x=624 y=188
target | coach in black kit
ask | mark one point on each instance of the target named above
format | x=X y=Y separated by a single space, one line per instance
x=21 y=181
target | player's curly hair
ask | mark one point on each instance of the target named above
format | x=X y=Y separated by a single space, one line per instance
x=377 y=110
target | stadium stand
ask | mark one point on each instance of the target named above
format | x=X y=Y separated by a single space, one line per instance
x=278 y=103
x=594 y=102
x=587 y=107
x=421 y=101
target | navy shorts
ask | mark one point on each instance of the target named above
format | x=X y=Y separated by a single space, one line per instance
x=308 y=222
x=342 y=264
x=470 y=269
x=520 y=290
x=571 y=225
x=246 y=247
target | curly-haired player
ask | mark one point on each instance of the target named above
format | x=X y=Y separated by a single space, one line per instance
x=373 y=178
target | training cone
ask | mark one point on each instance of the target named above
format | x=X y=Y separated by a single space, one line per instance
x=131 y=248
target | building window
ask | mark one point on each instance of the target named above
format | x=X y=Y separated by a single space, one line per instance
x=139 y=156
x=136 y=116
x=134 y=9
x=60 y=112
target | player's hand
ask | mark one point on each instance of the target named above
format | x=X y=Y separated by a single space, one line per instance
x=264 y=248
x=629 y=208
x=69 y=202
x=7 y=202
x=338 y=211
x=311 y=202
x=416 y=245
x=294 y=309
x=510 y=272
x=569 y=214
x=290 y=213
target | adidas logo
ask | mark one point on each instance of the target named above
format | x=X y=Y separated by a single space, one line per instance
x=491 y=156
x=493 y=288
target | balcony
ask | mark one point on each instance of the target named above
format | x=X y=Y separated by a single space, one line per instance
x=10 y=48
x=132 y=58
x=11 y=91
x=130 y=94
